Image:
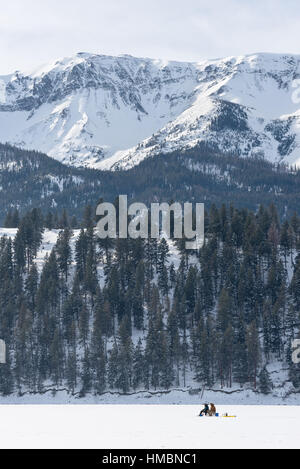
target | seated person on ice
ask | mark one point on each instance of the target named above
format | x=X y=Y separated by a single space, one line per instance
x=205 y=411
x=212 y=411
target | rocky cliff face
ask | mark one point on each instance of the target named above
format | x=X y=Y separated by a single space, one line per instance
x=113 y=112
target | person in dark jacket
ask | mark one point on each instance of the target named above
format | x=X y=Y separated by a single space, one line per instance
x=205 y=411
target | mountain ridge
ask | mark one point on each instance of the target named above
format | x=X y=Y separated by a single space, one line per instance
x=110 y=112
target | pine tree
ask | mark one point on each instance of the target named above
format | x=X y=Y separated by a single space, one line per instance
x=265 y=382
x=174 y=345
x=86 y=376
x=240 y=364
x=98 y=361
x=113 y=367
x=48 y=291
x=224 y=311
x=64 y=221
x=138 y=367
x=64 y=252
x=31 y=286
x=71 y=361
x=56 y=358
x=8 y=220
x=81 y=248
x=49 y=221
x=162 y=255
x=202 y=358
x=253 y=350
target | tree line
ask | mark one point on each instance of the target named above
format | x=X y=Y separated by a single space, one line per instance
x=30 y=179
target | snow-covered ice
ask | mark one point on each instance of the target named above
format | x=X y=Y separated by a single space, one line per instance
x=147 y=427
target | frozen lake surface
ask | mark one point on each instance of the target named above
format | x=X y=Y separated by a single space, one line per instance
x=148 y=427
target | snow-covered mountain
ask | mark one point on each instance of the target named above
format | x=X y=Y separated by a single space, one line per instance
x=113 y=112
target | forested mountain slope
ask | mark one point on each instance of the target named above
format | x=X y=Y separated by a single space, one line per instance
x=92 y=316
x=31 y=179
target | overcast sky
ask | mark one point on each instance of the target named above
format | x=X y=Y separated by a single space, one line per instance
x=33 y=32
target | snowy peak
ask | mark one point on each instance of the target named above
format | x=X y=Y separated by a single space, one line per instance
x=240 y=105
x=123 y=75
x=112 y=112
